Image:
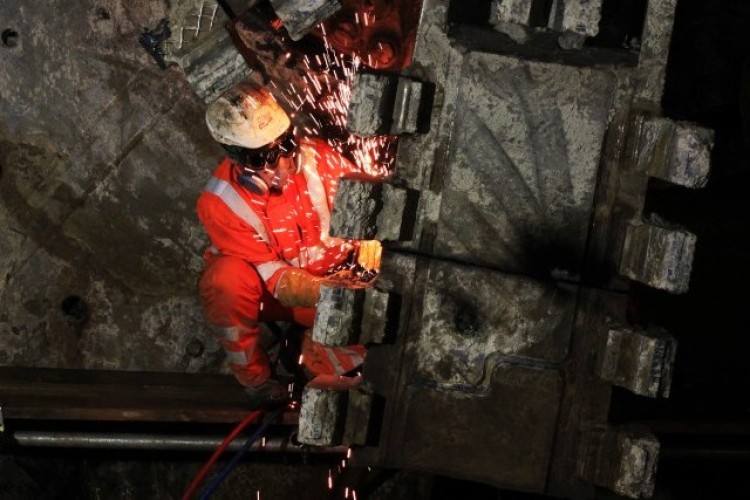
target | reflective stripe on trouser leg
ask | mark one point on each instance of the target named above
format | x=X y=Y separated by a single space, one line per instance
x=247 y=361
x=231 y=291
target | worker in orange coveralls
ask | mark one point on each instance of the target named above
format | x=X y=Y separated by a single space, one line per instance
x=266 y=210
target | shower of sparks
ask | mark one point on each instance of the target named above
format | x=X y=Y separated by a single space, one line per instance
x=328 y=97
x=348 y=453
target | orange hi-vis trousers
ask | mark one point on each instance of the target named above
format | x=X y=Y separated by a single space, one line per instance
x=235 y=299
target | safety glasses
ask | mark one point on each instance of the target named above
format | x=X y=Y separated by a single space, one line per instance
x=269 y=155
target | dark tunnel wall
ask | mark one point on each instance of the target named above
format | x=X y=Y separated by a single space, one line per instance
x=102 y=156
x=709 y=407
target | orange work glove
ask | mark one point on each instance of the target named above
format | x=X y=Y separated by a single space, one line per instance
x=298 y=288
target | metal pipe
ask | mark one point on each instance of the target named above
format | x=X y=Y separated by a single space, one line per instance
x=160 y=442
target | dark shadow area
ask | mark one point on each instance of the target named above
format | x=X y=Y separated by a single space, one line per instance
x=621 y=24
x=704 y=426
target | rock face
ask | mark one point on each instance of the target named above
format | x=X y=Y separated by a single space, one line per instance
x=102 y=156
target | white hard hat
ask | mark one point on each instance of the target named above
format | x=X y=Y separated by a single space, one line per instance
x=246 y=115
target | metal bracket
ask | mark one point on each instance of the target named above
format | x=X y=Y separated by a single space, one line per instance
x=639 y=360
x=384 y=103
x=620 y=459
x=153 y=41
x=658 y=254
x=301 y=16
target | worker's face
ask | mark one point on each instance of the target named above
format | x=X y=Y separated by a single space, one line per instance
x=277 y=160
x=280 y=175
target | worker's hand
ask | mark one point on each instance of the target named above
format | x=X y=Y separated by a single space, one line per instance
x=298 y=288
x=346 y=278
x=369 y=254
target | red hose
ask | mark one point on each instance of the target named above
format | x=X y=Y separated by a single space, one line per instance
x=223 y=446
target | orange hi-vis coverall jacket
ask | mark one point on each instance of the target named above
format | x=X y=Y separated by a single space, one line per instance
x=255 y=238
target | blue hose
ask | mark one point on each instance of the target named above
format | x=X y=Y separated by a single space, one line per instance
x=214 y=485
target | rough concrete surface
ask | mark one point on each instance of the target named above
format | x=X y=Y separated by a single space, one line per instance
x=102 y=156
x=321 y=422
x=657 y=34
x=510 y=11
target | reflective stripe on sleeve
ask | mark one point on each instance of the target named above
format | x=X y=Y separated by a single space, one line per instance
x=317 y=193
x=267 y=269
x=236 y=204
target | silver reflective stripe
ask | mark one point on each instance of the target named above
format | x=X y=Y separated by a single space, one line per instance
x=304 y=257
x=337 y=366
x=236 y=204
x=236 y=357
x=231 y=333
x=355 y=356
x=317 y=193
x=267 y=269
x=315 y=253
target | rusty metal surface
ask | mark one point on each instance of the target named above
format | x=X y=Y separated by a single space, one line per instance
x=677 y=152
x=529 y=202
x=521 y=156
x=658 y=254
x=385 y=104
x=475 y=320
x=508 y=431
x=621 y=459
x=321 y=417
x=577 y=16
x=639 y=360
